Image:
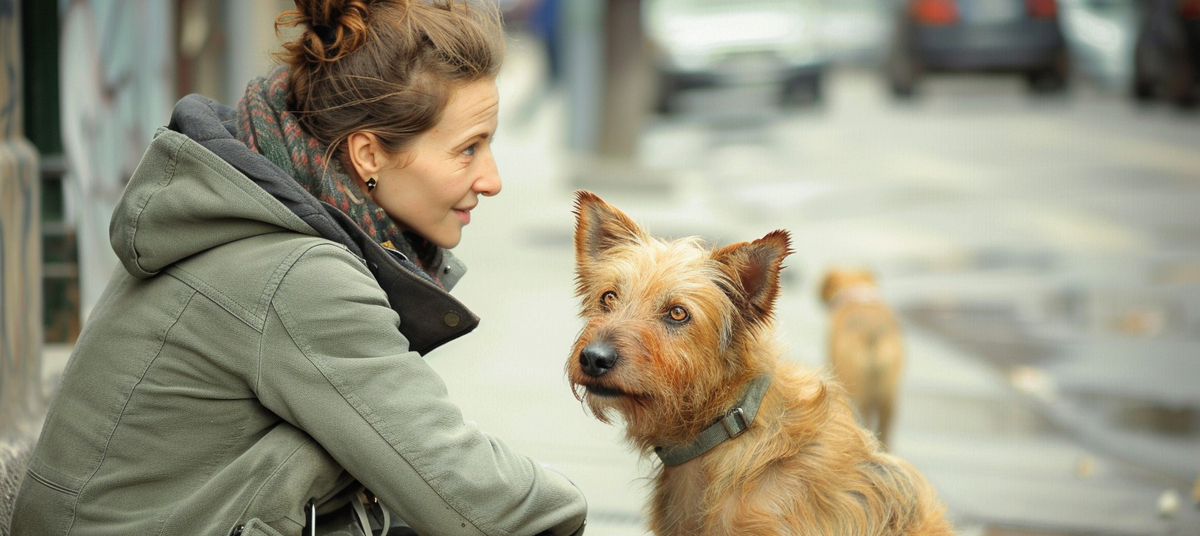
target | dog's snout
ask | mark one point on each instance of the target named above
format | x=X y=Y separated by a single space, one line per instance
x=597 y=358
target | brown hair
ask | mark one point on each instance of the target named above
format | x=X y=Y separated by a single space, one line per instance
x=386 y=67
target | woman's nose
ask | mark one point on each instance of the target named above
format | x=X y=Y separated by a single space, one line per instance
x=488 y=184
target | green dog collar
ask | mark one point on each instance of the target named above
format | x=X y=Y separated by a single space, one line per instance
x=735 y=421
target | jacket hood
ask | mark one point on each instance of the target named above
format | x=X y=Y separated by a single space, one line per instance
x=183 y=199
x=198 y=187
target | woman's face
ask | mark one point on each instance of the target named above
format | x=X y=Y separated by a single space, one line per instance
x=431 y=188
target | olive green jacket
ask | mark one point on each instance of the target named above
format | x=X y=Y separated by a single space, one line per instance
x=256 y=351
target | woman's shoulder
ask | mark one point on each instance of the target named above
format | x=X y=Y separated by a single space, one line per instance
x=249 y=273
x=270 y=252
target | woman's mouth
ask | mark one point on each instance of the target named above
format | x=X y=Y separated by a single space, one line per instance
x=464 y=216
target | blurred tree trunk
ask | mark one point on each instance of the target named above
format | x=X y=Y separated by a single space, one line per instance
x=628 y=80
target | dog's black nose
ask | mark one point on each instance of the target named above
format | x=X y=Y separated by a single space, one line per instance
x=597 y=358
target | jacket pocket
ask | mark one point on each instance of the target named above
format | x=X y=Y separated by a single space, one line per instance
x=43 y=507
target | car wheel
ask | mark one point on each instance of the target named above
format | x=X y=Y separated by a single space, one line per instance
x=1046 y=82
x=902 y=75
x=1143 y=90
x=1180 y=84
x=1051 y=79
x=802 y=90
x=1143 y=82
x=665 y=97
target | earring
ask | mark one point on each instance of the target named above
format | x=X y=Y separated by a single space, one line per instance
x=371 y=184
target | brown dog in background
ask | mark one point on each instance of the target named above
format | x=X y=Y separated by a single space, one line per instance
x=679 y=343
x=866 y=350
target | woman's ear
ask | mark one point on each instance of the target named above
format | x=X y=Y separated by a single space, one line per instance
x=366 y=154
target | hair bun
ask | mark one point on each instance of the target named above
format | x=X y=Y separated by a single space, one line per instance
x=334 y=28
x=326 y=33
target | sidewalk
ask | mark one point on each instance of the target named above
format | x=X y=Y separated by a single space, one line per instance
x=988 y=447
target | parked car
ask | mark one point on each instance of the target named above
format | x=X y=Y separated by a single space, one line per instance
x=1166 y=60
x=1018 y=36
x=714 y=43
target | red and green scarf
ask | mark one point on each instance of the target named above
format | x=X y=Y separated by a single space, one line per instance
x=268 y=128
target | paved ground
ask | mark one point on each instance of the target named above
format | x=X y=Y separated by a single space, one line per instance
x=1042 y=252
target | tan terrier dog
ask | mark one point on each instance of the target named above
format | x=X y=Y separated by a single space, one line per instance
x=679 y=344
x=866 y=350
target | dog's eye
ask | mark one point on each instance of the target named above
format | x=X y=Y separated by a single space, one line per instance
x=678 y=314
x=607 y=299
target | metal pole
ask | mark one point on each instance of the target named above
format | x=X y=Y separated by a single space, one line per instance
x=583 y=68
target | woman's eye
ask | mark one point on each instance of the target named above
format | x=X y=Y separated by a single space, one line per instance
x=470 y=151
x=608 y=299
x=678 y=314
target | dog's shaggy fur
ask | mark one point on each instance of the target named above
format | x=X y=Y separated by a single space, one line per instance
x=866 y=349
x=674 y=332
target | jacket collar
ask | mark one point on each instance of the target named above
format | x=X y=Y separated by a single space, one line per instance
x=429 y=317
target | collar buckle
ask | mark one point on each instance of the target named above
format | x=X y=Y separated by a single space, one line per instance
x=735 y=422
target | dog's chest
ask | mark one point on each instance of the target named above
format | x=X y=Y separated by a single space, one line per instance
x=680 y=507
x=684 y=484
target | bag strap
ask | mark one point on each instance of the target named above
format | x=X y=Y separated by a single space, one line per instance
x=360 y=509
x=362 y=515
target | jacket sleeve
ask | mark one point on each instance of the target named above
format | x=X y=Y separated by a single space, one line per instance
x=338 y=368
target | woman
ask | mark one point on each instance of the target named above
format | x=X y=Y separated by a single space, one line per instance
x=256 y=367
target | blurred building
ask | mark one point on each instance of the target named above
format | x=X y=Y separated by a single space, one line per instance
x=106 y=74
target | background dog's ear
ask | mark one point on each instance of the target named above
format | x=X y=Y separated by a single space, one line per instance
x=830 y=285
x=754 y=268
x=600 y=226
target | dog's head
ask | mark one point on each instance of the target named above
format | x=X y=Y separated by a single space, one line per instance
x=840 y=279
x=668 y=323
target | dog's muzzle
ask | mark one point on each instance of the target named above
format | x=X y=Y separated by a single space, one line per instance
x=598 y=358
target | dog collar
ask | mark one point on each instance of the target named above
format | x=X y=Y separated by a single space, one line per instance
x=732 y=424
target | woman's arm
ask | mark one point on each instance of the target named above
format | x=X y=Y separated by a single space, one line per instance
x=340 y=370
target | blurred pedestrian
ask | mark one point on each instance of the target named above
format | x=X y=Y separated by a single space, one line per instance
x=541 y=19
x=256 y=366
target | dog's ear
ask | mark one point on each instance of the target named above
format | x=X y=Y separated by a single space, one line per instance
x=866 y=277
x=754 y=267
x=600 y=226
x=830 y=286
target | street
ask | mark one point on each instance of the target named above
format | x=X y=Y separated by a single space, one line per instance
x=1042 y=251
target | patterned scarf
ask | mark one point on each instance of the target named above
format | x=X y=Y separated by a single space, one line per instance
x=265 y=125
